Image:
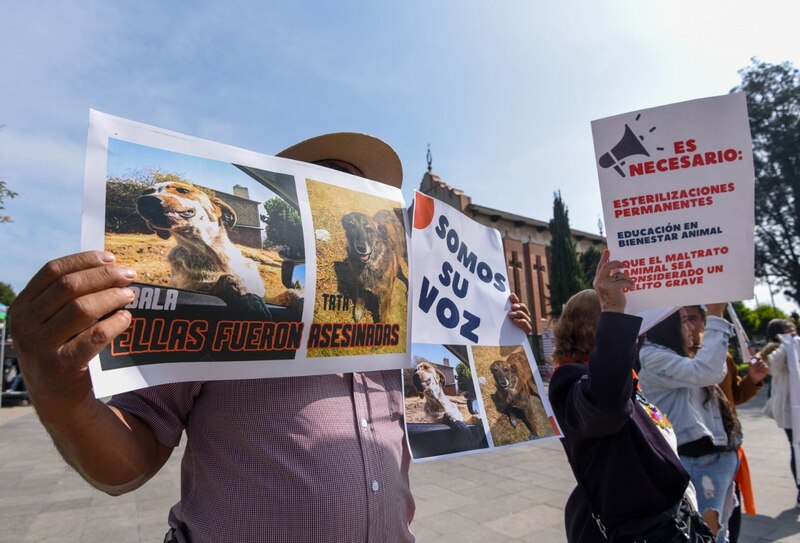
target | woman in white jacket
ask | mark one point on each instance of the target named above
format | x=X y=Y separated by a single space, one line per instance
x=685 y=389
x=779 y=405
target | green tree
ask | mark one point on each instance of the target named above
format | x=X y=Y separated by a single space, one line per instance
x=754 y=321
x=283 y=227
x=5 y=192
x=773 y=104
x=747 y=317
x=7 y=294
x=463 y=377
x=589 y=261
x=565 y=270
x=764 y=314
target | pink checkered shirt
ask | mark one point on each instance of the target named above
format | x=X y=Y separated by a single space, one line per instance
x=302 y=459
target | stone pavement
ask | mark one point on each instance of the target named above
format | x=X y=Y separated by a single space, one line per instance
x=515 y=494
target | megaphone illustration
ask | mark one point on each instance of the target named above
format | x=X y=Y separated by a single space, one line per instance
x=629 y=145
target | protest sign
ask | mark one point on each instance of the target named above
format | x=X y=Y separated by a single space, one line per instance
x=677 y=186
x=460 y=282
x=746 y=350
x=475 y=385
x=245 y=264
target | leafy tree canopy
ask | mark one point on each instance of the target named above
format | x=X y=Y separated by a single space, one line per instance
x=7 y=294
x=773 y=104
x=283 y=227
x=754 y=321
x=5 y=193
x=463 y=377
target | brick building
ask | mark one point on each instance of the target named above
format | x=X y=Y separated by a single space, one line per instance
x=525 y=242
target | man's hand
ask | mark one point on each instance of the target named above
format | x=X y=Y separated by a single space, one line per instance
x=758 y=369
x=68 y=313
x=520 y=315
x=610 y=282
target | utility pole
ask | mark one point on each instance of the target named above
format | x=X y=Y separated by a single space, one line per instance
x=771 y=296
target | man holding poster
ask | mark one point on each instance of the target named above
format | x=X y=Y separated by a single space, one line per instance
x=677 y=186
x=317 y=458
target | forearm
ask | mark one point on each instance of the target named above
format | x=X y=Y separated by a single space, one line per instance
x=711 y=360
x=610 y=364
x=113 y=451
x=69 y=312
x=744 y=389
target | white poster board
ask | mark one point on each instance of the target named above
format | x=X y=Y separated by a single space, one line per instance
x=677 y=186
x=475 y=385
x=245 y=264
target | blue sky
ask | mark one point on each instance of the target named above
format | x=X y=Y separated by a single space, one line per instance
x=125 y=159
x=434 y=353
x=503 y=91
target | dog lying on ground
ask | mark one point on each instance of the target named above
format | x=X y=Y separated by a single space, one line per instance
x=375 y=249
x=204 y=259
x=515 y=390
x=429 y=383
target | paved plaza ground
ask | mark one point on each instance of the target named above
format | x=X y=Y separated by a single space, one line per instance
x=516 y=494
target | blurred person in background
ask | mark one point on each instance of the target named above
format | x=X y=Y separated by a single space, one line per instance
x=685 y=388
x=737 y=390
x=779 y=404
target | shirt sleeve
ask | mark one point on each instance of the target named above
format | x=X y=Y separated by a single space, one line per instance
x=668 y=369
x=777 y=360
x=600 y=403
x=163 y=408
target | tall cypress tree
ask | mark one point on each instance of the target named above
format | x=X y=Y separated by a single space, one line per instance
x=565 y=270
x=589 y=260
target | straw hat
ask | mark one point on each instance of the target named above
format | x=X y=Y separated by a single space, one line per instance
x=374 y=157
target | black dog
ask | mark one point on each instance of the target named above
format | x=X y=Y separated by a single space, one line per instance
x=375 y=250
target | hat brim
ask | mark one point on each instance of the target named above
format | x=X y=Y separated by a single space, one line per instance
x=375 y=159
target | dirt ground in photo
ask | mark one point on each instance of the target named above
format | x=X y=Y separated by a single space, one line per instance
x=415 y=406
x=147 y=254
x=503 y=433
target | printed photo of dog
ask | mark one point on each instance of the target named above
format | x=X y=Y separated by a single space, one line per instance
x=203 y=239
x=441 y=419
x=375 y=254
x=514 y=407
x=429 y=382
x=362 y=263
x=203 y=259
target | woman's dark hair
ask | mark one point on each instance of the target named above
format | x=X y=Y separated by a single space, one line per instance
x=777 y=326
x=668 y=333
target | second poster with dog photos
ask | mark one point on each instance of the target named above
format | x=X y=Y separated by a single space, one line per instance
x=460 y=400
x=247 y=265
x=483 y=390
